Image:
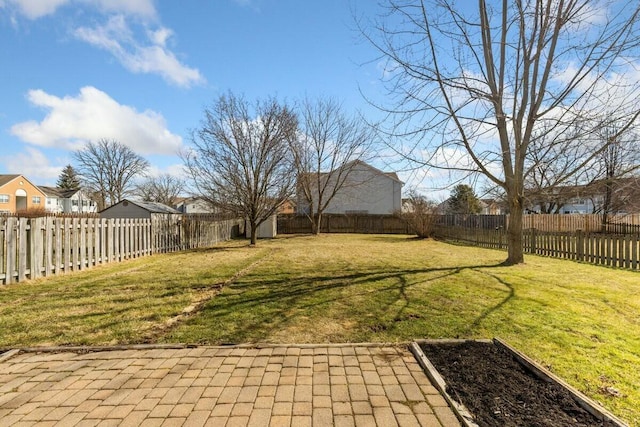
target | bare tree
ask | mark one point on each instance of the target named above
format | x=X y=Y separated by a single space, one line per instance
x=164 y=188
x=605 y=180
x=473 y=85
x=107 y=169
x=613 y=172
x=552 y=176
x=325 y=154
x=420 y=213
x=240 y=159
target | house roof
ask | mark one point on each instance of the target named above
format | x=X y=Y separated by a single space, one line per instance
x=152 y=207
x=57 y=191
x=50 y=191
x=5 y=179
x=182 y=200
x=353 y=163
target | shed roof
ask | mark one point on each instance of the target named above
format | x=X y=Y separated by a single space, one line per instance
x=151 y=207
x=155 y=207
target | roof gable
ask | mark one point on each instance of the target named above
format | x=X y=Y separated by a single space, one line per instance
x=354 y=163
x=50 y=191
x=5 y=179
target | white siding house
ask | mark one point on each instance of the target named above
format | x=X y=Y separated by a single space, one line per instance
x=67 y=201
x=366 y=190
x=194 y=205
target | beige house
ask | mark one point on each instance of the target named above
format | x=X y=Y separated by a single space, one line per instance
x=17 y=194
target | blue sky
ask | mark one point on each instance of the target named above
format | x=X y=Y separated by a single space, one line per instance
x=141 y=71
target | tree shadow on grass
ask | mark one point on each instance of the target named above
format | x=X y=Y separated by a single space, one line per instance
x=259 y=307
x=487 y=312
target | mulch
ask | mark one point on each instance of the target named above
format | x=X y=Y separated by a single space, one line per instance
x=500 y=391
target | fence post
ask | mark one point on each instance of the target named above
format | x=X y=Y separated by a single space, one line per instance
x=534 y=243
x=11 y=236
x=580 y=244
x=23 y=252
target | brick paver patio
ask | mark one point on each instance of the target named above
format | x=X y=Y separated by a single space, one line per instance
x=347 y=385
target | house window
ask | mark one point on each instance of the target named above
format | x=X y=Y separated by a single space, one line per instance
x=4 y=198
x=35 y=200
x=74 y=203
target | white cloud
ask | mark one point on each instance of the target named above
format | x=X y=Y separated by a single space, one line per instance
x=33 y=164
x=152 y=56
x=177 y=170
x=92 y=115
x=145 y=51
x=142 y=8
x=160 y=37
x=35 y=9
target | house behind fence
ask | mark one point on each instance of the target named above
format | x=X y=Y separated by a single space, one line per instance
x=40 y=247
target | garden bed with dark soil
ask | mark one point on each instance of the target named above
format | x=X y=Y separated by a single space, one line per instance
x=498 y=389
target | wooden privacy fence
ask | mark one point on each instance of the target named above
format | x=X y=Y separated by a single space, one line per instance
x=619 y=224
x=37 y=247
x=615 y=250
x=351 y=223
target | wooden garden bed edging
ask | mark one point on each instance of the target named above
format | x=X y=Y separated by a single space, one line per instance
x=464 y=415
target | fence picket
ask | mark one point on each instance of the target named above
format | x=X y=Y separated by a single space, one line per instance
x=31 y=248
x=595 y=247
x=23 y=253
x=11 y=237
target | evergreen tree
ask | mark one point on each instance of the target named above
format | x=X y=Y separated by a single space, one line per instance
x=464 y=201
x=68 y=179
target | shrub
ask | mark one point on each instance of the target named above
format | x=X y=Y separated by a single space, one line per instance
x=420 y=214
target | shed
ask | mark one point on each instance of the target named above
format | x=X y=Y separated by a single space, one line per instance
x=267 y=230
x=133 y=209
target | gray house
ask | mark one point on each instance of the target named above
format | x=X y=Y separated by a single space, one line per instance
x=366 y=190
x=134 y=209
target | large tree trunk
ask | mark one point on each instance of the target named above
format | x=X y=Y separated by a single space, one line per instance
x=317 y=223
x=607 y=204
x=254 y=232
x=315 y=228
x=514 y=232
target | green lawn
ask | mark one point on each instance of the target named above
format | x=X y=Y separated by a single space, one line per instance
x=581 y=321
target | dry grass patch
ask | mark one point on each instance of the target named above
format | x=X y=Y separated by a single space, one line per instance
x=117 y=303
